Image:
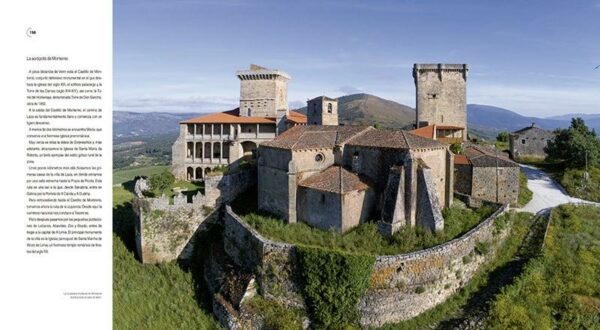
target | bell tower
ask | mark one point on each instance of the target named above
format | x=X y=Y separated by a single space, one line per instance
x=322 y=110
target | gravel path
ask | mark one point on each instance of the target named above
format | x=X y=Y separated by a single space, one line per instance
x=547 y=193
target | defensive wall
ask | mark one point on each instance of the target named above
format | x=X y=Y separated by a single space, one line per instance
x=164 y=228
x=401 y=286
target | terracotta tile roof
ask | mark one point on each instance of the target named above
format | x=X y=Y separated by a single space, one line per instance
x=481 y=157
x=425 y=131
x=536 y=130
x=448 y=127
x=394 y=139
x=233 y=117
x=314 y=137
x=296 y=117
x=228 y=117
x=461 y=160
x=329 y=180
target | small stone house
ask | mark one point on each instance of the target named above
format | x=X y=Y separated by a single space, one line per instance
x=487 y=176
x=529 y=142
x=336 y=177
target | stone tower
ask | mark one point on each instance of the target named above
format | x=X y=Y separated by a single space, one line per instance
x=322 y=110
x=441 y=94
x=262 y=91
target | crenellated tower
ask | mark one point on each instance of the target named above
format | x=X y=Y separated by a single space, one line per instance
x=263 y=92
x=441 y=92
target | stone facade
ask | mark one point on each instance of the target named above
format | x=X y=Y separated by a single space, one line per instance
x=346 y=169
x=262 y=91
x=496 y=185
x=487 y=175
x=441 y=95
x=401 y=286
x=529 y=142
x=322 y=110
x=164 y=229
x=231 y=137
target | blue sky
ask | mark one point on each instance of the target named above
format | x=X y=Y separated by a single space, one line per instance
x=534 y=57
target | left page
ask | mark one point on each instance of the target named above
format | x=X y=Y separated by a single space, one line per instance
x=56 y=132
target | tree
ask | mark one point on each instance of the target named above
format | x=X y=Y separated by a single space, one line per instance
x=502 y=137
x=162 y=181
x=573 y=144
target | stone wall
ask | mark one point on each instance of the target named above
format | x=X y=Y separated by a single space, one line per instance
x=404 y=286
x=164 y=229
x=401 y=286
x=462 y=178
x=484 y=184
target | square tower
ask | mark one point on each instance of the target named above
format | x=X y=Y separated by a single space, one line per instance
x=322 y=110
x=441 y=94
x=262 y=91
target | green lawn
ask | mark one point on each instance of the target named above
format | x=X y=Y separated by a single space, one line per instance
x=124 y=175
x=561 y=288
x=366 y=238
x=148 y=296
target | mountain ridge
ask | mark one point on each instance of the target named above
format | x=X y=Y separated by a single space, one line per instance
x=484 y=121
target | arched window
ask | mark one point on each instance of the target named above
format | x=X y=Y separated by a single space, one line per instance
x=249 y=112
x=329 y=108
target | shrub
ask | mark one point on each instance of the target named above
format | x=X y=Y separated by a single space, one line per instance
x=482 y=248
x=276 y=316
x=162 y=181
x=466 y=259
x=333 y=283
x=456 y=148
x=502 y=137
x=419 y=290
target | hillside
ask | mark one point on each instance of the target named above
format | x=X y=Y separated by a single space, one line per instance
x=365 y=109
x=145 y=138
x=128 y=126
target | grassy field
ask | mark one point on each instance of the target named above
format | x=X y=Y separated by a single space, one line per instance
x=366 y=238
x=573 y=182
x=126 y=174
x=148 y=296
x=561 y=288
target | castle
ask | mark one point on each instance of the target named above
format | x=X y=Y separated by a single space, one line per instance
x=230 y=137
x=309 y=163
x=308 y=168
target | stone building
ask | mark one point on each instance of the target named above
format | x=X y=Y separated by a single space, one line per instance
x=322 y=110
x=441 y=94
x=485 y=175
x=529 y=142
x=336 y=177
x=225 y=138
